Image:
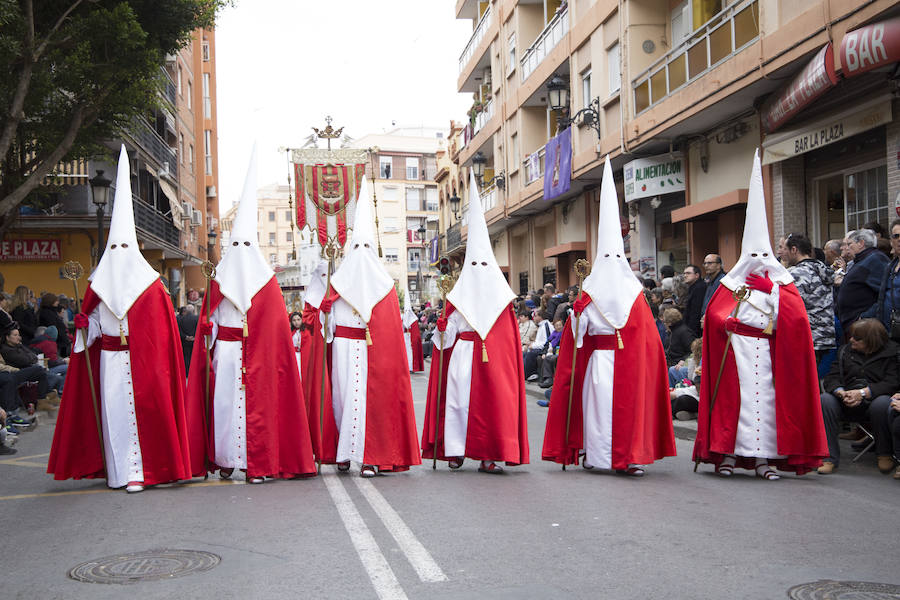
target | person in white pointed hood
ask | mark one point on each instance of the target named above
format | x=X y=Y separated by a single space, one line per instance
x=412 y=335
x=620 y=416
x=480 y=404
x=370 y=386
x=134 y=357
x=256 y=419
x=759 y=392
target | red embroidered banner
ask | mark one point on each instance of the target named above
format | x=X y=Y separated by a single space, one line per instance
x=329 y=189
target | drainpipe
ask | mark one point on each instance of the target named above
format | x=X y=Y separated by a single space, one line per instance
x=623 y=64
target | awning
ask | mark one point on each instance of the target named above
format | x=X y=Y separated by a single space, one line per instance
x=827 y=130
x=816 y=78
x=565 y=249
x=870 y=47
x=706 y=208
x=174 y=204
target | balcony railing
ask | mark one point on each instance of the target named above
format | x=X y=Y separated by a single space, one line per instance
x=489 y=197
x=454 y=237
x=155 y=146
x=152 y=221
x=413 y=265
x=483 y=117
x=476 y=38
x=534 y=165
x=169 y=91
x=552 y=34
x=720 y=38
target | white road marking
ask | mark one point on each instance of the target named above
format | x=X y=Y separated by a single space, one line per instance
x=420 y=559
x=380 y=574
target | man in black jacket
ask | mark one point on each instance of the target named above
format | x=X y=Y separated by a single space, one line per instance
x=859 y=290
x=693 y=306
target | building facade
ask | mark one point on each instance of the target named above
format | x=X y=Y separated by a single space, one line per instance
x=173 y=180
x=679 y=94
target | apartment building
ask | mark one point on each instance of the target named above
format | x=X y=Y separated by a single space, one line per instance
x=173 y=180
x=679 y=94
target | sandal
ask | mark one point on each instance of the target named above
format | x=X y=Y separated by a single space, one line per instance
x=766 y=472
x=256 y=479
x=343 y=467
x=134 y=487
x=367 y=471
x=726 y=467
x=456 y=462
x=633 y=471
x=225 y=473
x=490 y=467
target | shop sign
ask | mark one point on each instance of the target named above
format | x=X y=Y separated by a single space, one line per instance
x=29 y=250
x=870 y=47
x=646 y=177
x=815 y=79
x=826 y=131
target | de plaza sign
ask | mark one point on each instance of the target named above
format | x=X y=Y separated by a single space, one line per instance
x=647 y=177
x=29 y=250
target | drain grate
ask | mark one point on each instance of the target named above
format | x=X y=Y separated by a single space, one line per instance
x=144 y=566
x=844 y=590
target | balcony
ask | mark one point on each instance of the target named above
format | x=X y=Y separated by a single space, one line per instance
x=169 y=90
x=476 y=38
x=552 y=35
x=483 y=117
x=155 y=223
x=413 y=265
x=454 y=237
x=719 y=39
x=534 y=165
x=489 y=197
x=151 y=141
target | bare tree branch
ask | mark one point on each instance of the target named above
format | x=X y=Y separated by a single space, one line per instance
x=43 y=46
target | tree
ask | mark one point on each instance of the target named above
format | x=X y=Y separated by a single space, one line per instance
x=74 y=73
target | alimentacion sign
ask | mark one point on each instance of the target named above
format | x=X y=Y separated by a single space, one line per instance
x=646 y=177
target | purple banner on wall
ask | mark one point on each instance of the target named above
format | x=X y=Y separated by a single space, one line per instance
x=558 y=165
x=433 y=251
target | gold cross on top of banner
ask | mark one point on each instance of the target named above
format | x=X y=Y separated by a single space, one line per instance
x=329 y=133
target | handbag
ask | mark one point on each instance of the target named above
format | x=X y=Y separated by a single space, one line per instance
x=894 y=329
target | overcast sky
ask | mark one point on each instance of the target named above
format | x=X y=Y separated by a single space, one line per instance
x=283 y=65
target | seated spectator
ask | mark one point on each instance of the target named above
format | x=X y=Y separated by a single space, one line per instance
x=656 y=308
x=563 y=308
x=5 y=436
x=548 y=359
x=894 y=423
x=858 y=388
x=680 y=336
x=527 y=331
x=10 y=380
x=23 y=313
x=538 y=346
x=684 y=379
x=49 y=314
x=45 y=343
x=6 y=319
x=859 y=290
x=15 y=354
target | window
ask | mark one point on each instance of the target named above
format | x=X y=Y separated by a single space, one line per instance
x=287 y=258
x=586 y=89
x=287 y=216
x=190 y=95
x=288 y=236
x=272 y=216
x=272 y=238
x=207 y=101
x=204 y=50
x=273 y=258
x=391 y=255
x=384 y=166
x=191 y=157
x=866 y=197
x=390 y=224
x=681 y=22
x=181 y=148
x=207 y=138
x=178 y=81
x=511 y=51
x=390 y=194
x=615 y=76
x=413 y=198
x=431 y=199
x=412 y=168
x=514 y=150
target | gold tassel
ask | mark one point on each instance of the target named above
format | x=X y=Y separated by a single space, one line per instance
x=484 y=357
x=768 y=329
x=122 y=340
x=619 y=338
x=246 y=332
x=368 y=337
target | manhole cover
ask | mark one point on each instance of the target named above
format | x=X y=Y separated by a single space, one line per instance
x=144 y=566
x=844 y=590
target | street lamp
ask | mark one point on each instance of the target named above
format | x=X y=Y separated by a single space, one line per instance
x=100 y=196
x=478 y=163
x=454 y=206
x=558 y=99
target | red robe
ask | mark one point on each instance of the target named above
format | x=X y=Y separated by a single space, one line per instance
x=391 y=443
x=312 y=346
x=415 y=341
x=278 y=439
x=641 y=414
x=158 y=376
x=498 y=424
x=798 y=409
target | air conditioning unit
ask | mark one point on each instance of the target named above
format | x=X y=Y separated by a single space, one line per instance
x=196 y=218
x=210 y=191
x=164 y=171
x=186 y=209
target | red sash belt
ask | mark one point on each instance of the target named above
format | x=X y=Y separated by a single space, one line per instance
x=351 y=333
x=735 y=326
x=230 y=334
x=600 y=342
x=468 y=336
x=113 y=342
x=296 y=348
x=406 y=330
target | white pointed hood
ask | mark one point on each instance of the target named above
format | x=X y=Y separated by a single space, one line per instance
x=315 y=289
x=481 y=293
x=612 y=284
x=243 y=270
x=361 y=279
x=756 y=249
x=123 y=273
x=407 y=315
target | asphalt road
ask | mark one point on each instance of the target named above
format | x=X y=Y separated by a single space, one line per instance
x=534 y=532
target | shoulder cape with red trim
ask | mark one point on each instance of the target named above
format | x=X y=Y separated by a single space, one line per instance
x=415 y=341
x=798 y=410
x=278 y=439
x=642 y=415
x=312 y=347
x=498 y=423
x=158 y=378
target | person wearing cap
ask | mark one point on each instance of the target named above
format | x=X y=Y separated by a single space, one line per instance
x=615 y=408
x=370 y=385
x=759 y=391
x=480 y=404
x=256 y=419
x=127 y=332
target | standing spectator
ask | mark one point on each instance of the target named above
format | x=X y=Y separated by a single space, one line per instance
x=814 y=281
x=887 y=307
x=859 y=290
x=693 y=303
x=553 y=303
x=23 y=313
x=49 y=314
x=187 y=327
x=712 y=264
x=538 y=346
x=666 y=271
x=562 y=310
x=881 y=239
x=527 y=331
